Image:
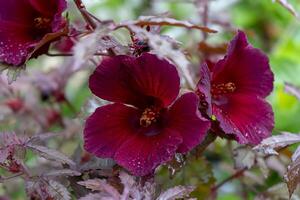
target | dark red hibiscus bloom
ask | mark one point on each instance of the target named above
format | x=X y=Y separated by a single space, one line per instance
x=144 y=127
x=27 y=27
x=233 y=92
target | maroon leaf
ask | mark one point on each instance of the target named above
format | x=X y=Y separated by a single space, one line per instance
x=58 y=191
x=51 y=154
x=62 y=172
x=176 y=193
x=244 y=157
x=292 y=176
x=269 y=145
x=93 y=196
x=102 y=186
x=44 y=190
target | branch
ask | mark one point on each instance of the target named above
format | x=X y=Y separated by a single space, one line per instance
x=237 y=174
x=203 y=12
x=87 y=17
x=71 y=54
x=3 y=179
x=210 y=138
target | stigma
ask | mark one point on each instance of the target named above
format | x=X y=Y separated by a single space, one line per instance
x=41 y=22
x=222 y=88
x=149 y=116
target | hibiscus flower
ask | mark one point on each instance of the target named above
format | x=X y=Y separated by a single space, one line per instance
x=27 y=27
x=144 y=127
x=233 y=90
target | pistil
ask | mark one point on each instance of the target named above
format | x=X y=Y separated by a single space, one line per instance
x=149 y=116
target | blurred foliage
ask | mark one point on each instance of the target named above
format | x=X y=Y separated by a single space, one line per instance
x=196 y=172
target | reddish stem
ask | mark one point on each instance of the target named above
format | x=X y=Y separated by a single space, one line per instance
x=71 y=54
x=87 y=17
x=203 y=11
x=237 y=174
x=3 y=179
x=210 y=138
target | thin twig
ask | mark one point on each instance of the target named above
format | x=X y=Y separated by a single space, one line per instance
x=210 y=138
x=244 y=194
x=94 y=62
x=93 y=16
x=71 y=54
x=230 y=178
x=59 y=54
x=25 y=170
x=2 y=179
x=202 y=6
x=83 y=11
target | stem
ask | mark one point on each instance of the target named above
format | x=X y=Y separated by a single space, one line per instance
x=71 y=54
x=230 y=178
x=203 y=12
x=87 y=17
x=210 y=138
x=25 y=170
x=93 y=16
x=2 y=179
x=244 y=193
x=94 y=62
x=59 y=54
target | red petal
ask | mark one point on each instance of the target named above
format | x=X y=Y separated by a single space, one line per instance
x=108 y=127
x=142 y=154
x=112 y=81
x=247 y=67
x=14 y=51
x=204 y=89
x=157 y=78
x=137 y=81
x=15 y=17
x=248 y=117
x=46 y=8
x=186 y=120
x=18 y=11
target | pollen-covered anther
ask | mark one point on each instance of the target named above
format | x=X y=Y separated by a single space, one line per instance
x=149 y=116
x=223 y=88
x=41 y=22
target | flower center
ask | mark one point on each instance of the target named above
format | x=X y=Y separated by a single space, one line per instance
x=149 y=116
x=41 y=22
x=222 y=88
